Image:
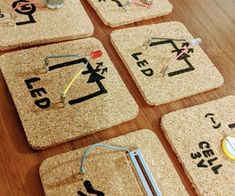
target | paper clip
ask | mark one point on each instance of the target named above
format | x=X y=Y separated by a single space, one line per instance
x=144 y=173
x=142 y=3
x=172 y=61
x=92 y=55
x=147 y=180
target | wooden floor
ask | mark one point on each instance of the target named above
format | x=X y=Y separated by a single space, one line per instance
x=212 y=20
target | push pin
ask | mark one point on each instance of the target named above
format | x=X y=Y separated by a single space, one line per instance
x=92 y=55
x=228 y=147
x=143 y=3
x=54 y=4
x=189 y=46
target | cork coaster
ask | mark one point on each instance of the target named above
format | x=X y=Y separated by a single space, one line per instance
x=196 y=135
x=34 y=25
x=111 y=172
x=97 y=100
x=112 y=13
x=192 y=73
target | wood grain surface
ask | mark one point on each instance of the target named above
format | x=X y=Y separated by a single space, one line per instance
x=212 y=20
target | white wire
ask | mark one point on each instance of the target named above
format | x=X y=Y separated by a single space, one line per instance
x=88 y=150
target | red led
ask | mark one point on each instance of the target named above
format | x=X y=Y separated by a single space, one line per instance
x=96 y=54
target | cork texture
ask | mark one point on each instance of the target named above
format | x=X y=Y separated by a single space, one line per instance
x=112 y=13
x=34 y=25
x=111 y=172
x=195 y=134
x=97 y=100
x=189 y=76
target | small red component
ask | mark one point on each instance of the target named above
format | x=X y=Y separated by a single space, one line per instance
x=96 y=54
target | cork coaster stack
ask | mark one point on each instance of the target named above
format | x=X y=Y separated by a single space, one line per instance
x=111 y=172
x=113 y=14
x=191 y=74
x=197 y=134
x=97 y=100
x=34 y=25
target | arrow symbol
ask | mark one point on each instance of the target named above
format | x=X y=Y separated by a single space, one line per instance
x=190 y=50
x=90 y=189
x=185 y=44
x=105 y=70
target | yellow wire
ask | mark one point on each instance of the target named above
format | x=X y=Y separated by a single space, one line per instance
x=64 y=94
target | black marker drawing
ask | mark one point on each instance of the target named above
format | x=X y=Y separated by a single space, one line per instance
x=142 y=64
x=89 y=188
x=1 y=15
x=119 y=4
x=27 y=10
x=231 y=126
x=183 y=57
x=38 y=93
x=206 y=157
x=94 y=77
x=215 y=124
x=135 y=55
x=100 y=67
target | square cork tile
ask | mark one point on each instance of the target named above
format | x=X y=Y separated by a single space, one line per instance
x=34 y=25
x=97 y=100
x=111 y=172
x=112 y=13
x=193 y=73
x=196 y=135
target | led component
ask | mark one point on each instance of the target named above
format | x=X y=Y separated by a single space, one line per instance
x=95 y=54
x=195 y=42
